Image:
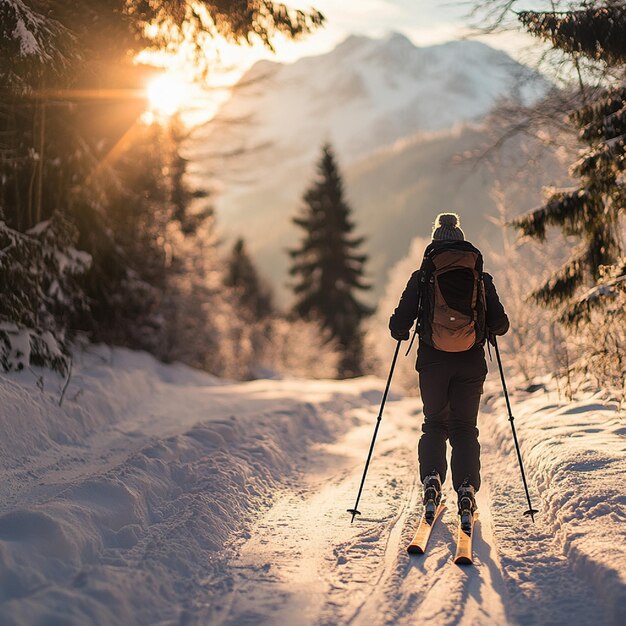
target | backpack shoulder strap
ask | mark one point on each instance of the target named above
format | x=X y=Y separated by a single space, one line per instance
x=421 y=272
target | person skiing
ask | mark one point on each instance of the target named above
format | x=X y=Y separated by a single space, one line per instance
x=457 y=310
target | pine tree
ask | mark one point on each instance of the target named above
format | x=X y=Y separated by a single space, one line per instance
x=40 y=292
x=593 y=208
x=254 y=298
x=329 y=267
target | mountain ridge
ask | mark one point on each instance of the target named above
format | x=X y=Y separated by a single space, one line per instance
x=388 y=86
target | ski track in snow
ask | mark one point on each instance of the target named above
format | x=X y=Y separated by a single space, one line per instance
x=179 y=500
x=306 y=564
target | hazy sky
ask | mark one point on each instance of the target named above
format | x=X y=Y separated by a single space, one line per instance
x=425 y=22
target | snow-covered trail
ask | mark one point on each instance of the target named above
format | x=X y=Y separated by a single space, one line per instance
x=115 y=508
x=306 y=564
x=159 y=496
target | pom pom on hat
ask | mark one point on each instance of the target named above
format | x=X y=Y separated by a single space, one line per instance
x=447 y=219
x=448 y=228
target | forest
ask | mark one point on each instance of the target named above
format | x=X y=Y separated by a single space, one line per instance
x=106 y=239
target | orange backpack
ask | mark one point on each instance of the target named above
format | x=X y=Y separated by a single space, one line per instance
x=452 y=310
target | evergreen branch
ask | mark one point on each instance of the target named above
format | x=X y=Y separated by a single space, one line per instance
x=355 y=242
x=604 y=118
x=32 y=43
x=565 y=206
x=598 y=297
x=562 y=285
x=610 y=157
x=597 y=33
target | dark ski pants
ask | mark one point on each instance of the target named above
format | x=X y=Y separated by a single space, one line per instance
x=451 y=385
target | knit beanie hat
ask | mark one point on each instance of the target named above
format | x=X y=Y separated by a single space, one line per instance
x=448 y=227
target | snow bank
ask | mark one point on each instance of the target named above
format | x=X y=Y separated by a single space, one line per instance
x=116 y=505
x=574 y=458
x=104 y=387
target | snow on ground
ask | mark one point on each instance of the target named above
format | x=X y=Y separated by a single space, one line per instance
x=160 y=495
x=115 y=506
x=575 y=453
x=305 y=563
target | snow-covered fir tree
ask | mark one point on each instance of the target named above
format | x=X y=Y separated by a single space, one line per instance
x=328 y=265
x=593 y=208
x=40 y=293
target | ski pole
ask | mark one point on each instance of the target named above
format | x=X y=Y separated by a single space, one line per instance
x=355 y=511
x=530 y=511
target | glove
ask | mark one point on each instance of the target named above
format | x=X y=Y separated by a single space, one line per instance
x=491 y=338
x=400 y=335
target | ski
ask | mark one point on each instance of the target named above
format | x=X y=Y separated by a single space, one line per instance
x=418 y=545
x=464 y=540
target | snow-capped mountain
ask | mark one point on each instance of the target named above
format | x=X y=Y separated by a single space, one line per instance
x=368 y=93
x=364 y=96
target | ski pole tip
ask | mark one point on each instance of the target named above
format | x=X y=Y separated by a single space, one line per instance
x=354 y=513
x=531 y=512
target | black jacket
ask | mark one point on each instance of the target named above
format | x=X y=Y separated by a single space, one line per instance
x=406 y=311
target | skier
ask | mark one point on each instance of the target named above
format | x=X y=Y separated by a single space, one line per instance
x=457 y=309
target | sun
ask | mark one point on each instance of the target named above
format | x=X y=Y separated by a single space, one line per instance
x=168 y=94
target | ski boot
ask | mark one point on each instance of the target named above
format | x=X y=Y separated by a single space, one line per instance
x=432 y=496
x=467 y=505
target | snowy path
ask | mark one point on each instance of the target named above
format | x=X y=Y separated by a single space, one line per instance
x=176 y=500
x=305 y=563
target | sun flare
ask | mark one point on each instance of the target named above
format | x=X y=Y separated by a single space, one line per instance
x=168 y=94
